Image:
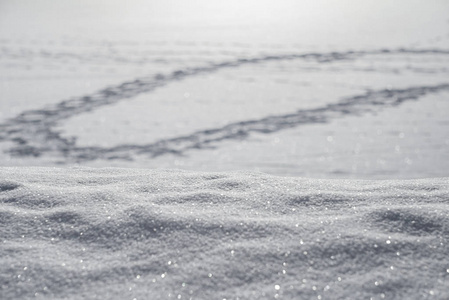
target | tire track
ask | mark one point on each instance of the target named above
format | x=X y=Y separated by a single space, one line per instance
x=372 y=101
x=33 y=133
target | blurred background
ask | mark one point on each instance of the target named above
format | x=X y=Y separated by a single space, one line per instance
x=323 y=88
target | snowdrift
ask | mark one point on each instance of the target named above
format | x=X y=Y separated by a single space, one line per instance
x=169 y=234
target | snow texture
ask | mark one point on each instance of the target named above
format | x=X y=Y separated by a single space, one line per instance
x=81 y=233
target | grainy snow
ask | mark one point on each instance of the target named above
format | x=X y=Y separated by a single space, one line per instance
x=81 y=233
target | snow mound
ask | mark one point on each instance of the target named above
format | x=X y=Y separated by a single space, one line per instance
x=167 y=234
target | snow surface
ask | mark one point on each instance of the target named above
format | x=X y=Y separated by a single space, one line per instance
x=83 y=233
x=316 y=88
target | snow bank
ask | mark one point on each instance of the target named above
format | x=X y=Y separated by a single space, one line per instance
x=161 y=234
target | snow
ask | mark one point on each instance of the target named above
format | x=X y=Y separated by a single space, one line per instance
x=74 y=233
x=257 y=104
x=293 y=88
x=234 y=149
